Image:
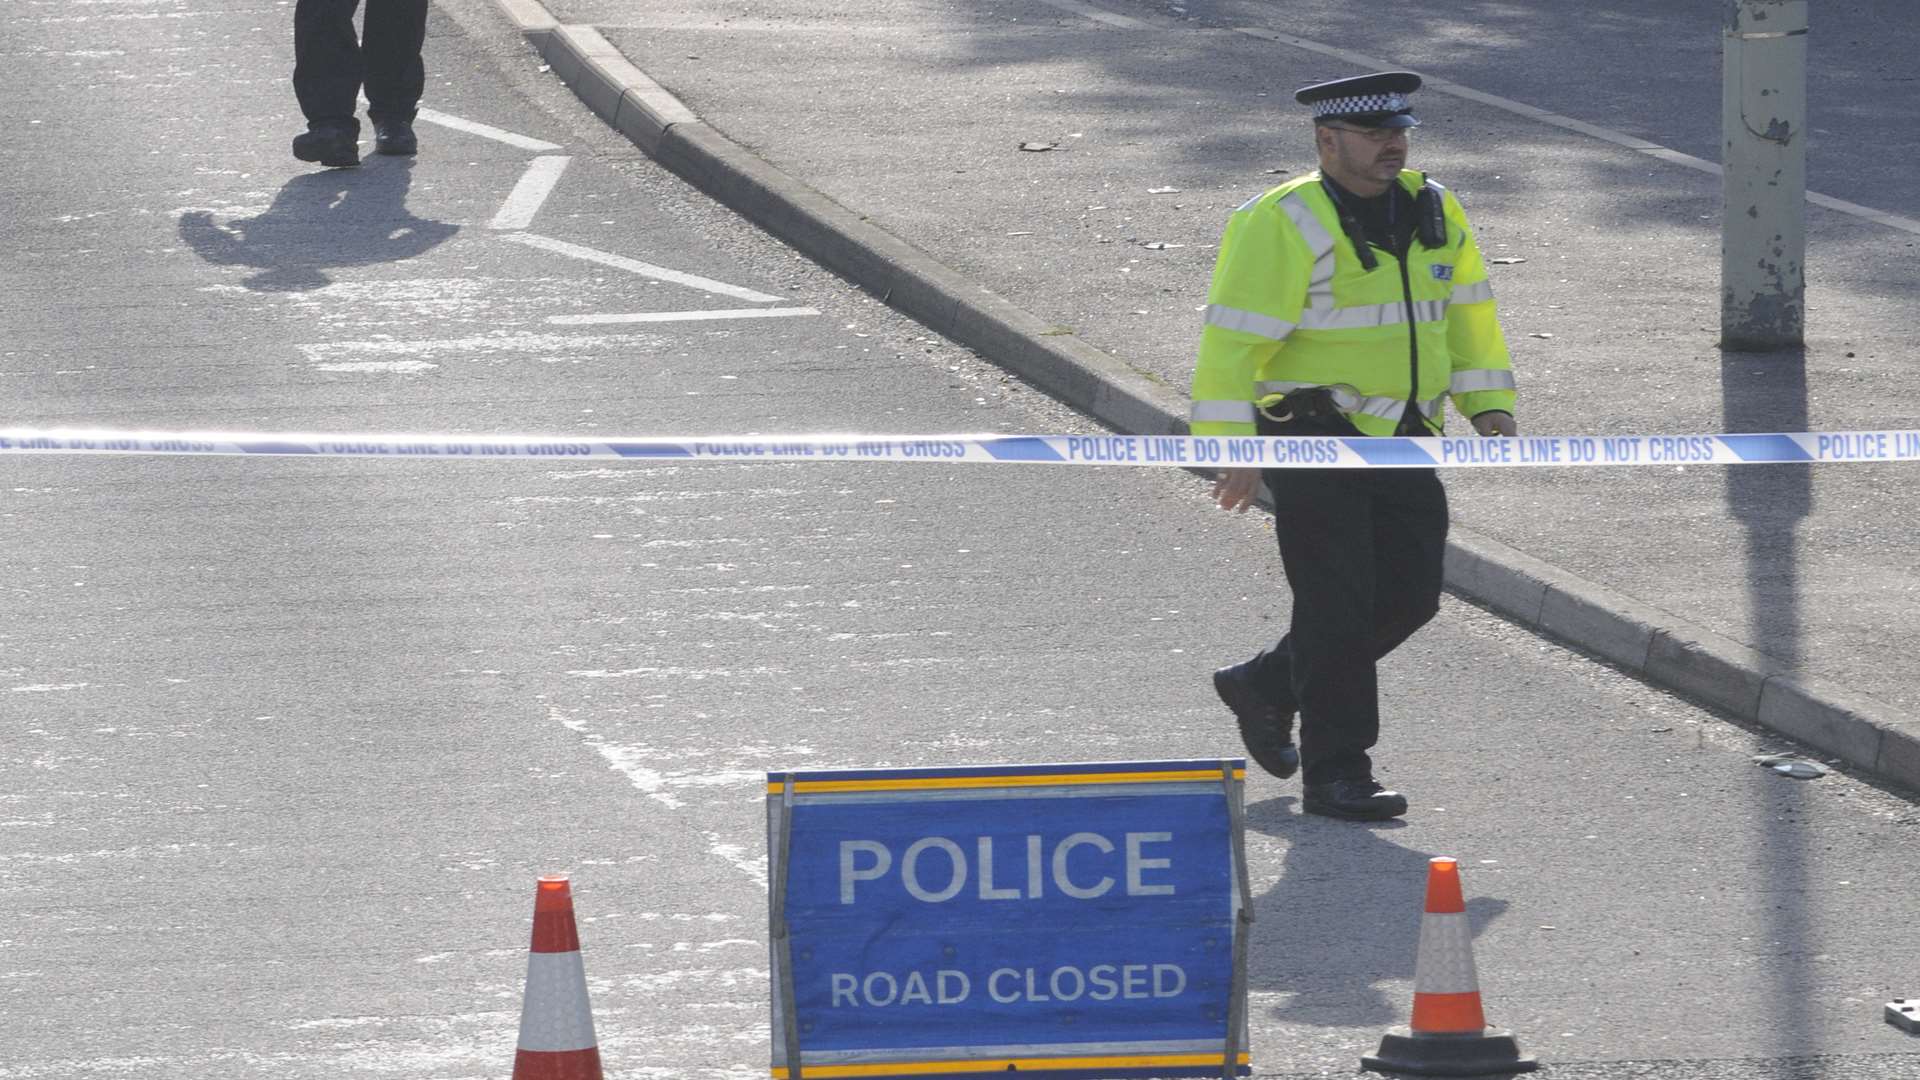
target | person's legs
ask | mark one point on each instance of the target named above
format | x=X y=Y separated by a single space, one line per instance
x=1328 y=531
x=1323 y=519
x=1259 y=693
x=1407 y=515
x=1410 y=548
x=1363 y=552
x=1270 y=674
x=1410 y=543
x=326 y=81
x=326 y=62
x=396 y=75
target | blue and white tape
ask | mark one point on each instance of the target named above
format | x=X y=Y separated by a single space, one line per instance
x=1174 y=451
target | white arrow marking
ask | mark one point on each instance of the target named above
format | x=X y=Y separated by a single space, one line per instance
x=635 y=266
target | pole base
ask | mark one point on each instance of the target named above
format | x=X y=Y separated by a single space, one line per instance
x=1492 y=1052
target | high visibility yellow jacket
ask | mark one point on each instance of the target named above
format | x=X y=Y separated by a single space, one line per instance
x=1291 y=306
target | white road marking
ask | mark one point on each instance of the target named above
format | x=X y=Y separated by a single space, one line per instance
x=488 y=131
x=635 y=266
x=518 y=343
x=633 y=761
x=398 y=367
x=751 y=861
x=681 y=316
x=530 y=194
x=623 y=759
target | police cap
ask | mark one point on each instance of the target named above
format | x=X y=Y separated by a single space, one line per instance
x=1377 y=100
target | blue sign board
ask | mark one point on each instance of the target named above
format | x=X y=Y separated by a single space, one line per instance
x=1050 y=920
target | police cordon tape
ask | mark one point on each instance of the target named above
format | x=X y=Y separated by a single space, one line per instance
x=1175 y=451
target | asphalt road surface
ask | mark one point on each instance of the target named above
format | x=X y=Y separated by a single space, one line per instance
x=285 y=742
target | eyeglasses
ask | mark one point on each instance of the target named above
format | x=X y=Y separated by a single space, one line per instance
x=1377 y=136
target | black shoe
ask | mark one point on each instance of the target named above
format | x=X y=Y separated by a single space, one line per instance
x=334 y=147
x=394 y=137
x=1360 y=799
x=1265 y=728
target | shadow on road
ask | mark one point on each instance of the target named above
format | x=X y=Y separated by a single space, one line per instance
x=1344 y=917
x=1765 y=392
x=320 y=220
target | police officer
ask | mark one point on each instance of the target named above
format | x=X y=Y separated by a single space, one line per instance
x=1349 y=301
x=330 y=63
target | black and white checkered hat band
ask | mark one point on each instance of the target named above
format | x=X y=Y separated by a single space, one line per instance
x=1365 y=103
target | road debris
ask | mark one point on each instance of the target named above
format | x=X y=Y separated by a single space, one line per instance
x=1039 y=147
x=1904 y=1013
x=1795 y=767
x=1163 y=191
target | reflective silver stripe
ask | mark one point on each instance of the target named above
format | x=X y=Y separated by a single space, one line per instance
x=1348 y=400
x=1248 y=322
x=1345 y=398
x=1466 y=382
x=1266 y=389
x=1474 y=293
x=1221 y=412
x=1320 y=242
x=1364 y=316
x=1386 y=408
x=1353 y=318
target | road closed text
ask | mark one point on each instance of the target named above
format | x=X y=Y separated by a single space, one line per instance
x=1008 y=986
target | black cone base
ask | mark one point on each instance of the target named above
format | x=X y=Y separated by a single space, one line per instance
x=1490 y=1053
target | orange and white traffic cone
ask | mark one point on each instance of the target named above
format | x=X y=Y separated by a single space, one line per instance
x=556 y=1022
x=1449 y=1035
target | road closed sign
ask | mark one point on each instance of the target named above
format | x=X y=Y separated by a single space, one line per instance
x=1046 y=920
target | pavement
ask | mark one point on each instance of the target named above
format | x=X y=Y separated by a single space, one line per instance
x=1780 y=596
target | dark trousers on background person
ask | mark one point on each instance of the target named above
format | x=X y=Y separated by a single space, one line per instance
x=1363 y=551
x=330 y=64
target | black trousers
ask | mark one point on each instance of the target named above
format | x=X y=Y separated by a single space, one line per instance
x=1363 y=551
x=330 y=63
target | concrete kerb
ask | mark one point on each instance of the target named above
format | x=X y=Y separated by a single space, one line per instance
x=536 y=23
x=1650 y=643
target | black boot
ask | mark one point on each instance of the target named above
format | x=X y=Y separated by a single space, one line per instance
x=332 y=145
x=1353 y=798
x=1265 y=728
x=394 y=137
